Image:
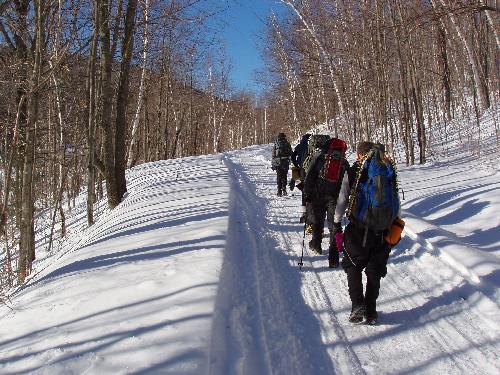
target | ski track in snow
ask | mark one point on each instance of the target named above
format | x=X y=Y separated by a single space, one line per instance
x=298 y=320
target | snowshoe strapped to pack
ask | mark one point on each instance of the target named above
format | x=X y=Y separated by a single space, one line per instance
x=315 y=141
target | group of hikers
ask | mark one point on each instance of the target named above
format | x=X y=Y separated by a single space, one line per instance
x=367 y=190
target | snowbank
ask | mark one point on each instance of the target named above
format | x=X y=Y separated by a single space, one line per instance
x=137 y=293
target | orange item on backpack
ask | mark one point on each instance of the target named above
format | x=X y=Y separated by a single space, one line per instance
x=394 y=234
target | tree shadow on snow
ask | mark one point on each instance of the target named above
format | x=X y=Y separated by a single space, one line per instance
x=445 y=306
x=422 y=319
x=406 y=250
x=486 y=240
x=436 y=202
x=147 y=253
x=466 y=211
x=113 y=335
x=201 y=214
x=99 y=343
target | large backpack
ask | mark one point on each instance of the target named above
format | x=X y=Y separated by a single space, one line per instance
x=315 y=141
x=374 y=199
x=334 y=156
x=283 y=148
x=281 y=163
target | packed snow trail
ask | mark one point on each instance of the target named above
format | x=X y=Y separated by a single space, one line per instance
x=287 y=321
x=269 y=330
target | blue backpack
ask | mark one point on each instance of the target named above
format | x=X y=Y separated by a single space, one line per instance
x=375 y=198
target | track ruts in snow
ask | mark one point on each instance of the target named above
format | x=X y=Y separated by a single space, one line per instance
x=274 y=322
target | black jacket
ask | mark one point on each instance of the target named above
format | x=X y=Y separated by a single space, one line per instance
x=300 y=151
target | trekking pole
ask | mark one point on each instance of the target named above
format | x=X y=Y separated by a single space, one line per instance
x=303 y=242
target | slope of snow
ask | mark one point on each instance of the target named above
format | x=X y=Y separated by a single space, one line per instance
x=137 y=293
x=196 y=272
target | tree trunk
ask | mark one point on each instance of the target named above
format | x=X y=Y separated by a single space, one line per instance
x=446 y=71
x=122 y=99
x=91 y=121
x=106 y=103
x=494 y=26
x=27 y=238
x=7 y=181
x=478 y=81
x=417 y=103
x=310 y=28
x=135 y=122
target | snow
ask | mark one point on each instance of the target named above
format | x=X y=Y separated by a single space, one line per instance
x=196 y=272
x=137 y=294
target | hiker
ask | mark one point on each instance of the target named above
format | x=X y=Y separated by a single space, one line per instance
x=298 y=156
x=315 y=144
x=321 y=189
x=282 y=151
x=364 y=241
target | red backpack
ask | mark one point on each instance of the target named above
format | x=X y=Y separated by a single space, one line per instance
x=334 y=156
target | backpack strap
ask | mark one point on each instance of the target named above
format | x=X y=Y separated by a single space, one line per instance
x=352 y=195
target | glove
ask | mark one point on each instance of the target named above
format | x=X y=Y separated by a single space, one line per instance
x=339 y=240
x=337 y=227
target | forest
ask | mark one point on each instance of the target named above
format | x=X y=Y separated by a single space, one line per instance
x=91 y=88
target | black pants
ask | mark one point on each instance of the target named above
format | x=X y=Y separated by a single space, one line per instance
x=281 y=177
x=372 y=257
x=302 y=179
x=323 y=205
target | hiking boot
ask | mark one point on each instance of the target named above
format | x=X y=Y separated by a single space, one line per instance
x=284 y=192
x=313 y=246
x=371 y=313
x=333 y=263
x=357 y=315
x=279 y=193
x=333 y=257
x=371 y=318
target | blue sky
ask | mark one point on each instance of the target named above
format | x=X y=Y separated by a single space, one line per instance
x=244 y=22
